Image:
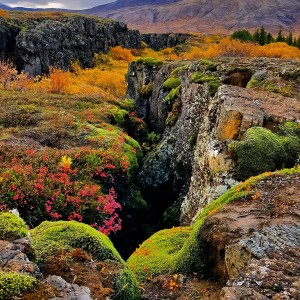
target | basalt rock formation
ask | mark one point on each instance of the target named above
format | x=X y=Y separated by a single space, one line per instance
x=34 y=44
x=211 y=108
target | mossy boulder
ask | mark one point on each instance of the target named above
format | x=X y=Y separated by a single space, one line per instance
x=12 y=227
x=156 y=255
x=52 y=237
x=262 y=150
x=14 y=284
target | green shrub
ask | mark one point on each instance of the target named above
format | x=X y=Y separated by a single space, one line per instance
x=120 y=116
x=261 y=151
x=12 y=227
x=150 y=62
x=126 y=286
x=171 y=83
x=14 y=284
x=212 y=80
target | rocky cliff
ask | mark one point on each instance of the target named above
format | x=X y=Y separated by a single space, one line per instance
x=37 y=43
x=205 y=111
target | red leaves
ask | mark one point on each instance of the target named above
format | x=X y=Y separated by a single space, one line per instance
x=49 y=186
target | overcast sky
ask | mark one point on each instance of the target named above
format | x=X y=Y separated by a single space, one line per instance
x=70 y=4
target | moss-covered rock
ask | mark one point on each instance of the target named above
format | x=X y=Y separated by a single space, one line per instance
x=171 y=83
x=212 y=80
x=14 y=284
x=155 y=256
x=150 y=62
x=182 y=250
x=12 y=227
x=191 y=258
x=51 y=237
x=262 y=150
x=209 y=65
x=173 y=94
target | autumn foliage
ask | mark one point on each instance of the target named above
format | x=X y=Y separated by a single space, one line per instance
x=3 y=14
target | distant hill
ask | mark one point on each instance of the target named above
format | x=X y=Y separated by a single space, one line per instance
x=212 y=16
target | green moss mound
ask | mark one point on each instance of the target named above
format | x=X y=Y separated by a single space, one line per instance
x=209 y=65
x=212 y=80
x=51 y=237
x=171 y=83
x=150 y=62
x=14 y=284
x=261 y=150
x=12 y=227
x=155 y=256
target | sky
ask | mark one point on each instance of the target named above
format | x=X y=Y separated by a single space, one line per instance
x=70 y=4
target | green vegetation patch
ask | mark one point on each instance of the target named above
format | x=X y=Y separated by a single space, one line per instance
x=174 y=94
x=51 y=237
x=209 y=65
x=12 y=227
x=212 y=80
x=176 y=71
x=261 y=150
x=155 y=256
x=14 y=284
x=150 y=62
x=171 y=83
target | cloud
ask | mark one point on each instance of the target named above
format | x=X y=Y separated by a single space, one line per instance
x=69 y=4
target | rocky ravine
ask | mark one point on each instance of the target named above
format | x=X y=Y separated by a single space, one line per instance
x=192 y=162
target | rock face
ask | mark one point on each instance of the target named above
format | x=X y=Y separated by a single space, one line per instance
x=192 y=162
x=15 y=256
x=160 y=41
x=57 y=42
x=254 y=243
x=37 y=43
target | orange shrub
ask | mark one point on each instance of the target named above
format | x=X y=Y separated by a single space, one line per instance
x=59 y=81
x=120 y=53
x=7 y=73
x=3 y=14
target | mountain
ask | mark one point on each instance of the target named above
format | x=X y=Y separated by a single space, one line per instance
x=211 y=16
x=3 y=6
